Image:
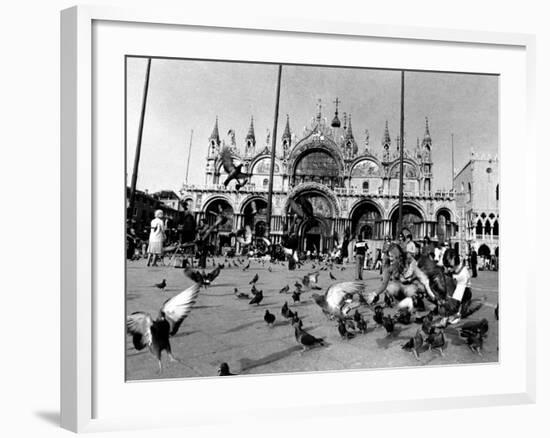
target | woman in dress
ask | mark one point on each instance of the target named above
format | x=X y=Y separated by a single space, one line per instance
x=156 y=239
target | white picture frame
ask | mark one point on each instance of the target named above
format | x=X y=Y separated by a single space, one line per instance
x=83 y=387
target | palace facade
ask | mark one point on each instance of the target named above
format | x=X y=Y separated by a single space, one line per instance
x=349 y=185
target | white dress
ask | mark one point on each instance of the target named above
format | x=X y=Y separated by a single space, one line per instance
x=156 y=238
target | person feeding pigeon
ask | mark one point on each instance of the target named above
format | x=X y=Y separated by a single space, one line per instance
x=156 y=239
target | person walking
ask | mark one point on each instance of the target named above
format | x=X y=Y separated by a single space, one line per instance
x=156 y=239
x=360 y=251
x=473 y=263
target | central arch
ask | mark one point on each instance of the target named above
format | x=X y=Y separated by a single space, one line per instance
x=412 y=221
x=366 y=220
x=313 y=235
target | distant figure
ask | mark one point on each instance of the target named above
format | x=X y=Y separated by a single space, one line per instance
x=360 y=250
x=473 y=263
x=156 y=239
x=345 y=243
x=428 y=248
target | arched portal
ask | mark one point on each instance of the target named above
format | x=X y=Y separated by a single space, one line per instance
x=412 y=220
x=366 y=221
x=221 y=238
x=484 y=251
x=444 y=226
x=313 y=233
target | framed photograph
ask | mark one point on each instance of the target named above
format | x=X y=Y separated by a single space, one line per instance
x=328 y=216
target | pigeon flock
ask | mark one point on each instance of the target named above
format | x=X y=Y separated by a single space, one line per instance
x=340 y=304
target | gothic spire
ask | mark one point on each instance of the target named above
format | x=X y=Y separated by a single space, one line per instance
x=349 y=132
x=250 y=135
x=387 y=139
x=215 y=132
x=286 y=132
x=427 y=136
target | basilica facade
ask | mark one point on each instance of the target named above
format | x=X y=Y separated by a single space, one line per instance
x=350 y=186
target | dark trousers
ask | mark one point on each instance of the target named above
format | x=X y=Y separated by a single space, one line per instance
x=360 y=262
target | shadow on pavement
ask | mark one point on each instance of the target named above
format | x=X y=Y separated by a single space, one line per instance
x=248 y=364
x=240 y=327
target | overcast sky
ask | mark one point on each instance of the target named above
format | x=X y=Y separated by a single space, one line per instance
x=188 y=95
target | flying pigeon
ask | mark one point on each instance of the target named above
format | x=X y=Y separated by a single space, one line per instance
x=155 y=334
x=232 y=164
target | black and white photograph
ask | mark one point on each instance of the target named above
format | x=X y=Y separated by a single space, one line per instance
x=285 y=218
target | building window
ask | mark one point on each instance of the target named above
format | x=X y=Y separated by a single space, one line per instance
x=266 y=183
x=366 y=186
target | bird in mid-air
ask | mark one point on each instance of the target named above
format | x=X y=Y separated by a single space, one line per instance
x=161 y=285
x=414 y=344
x=254 y=280
x=337 y=301
x=223 y=370
x=155 y=334
x=203 y=279
x=310 y=281
x=269 y=318
x=232 y=165
x=304 y=338
x=257 y=299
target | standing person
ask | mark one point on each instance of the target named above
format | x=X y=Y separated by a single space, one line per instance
x=473 y=263
x=428 y=248
x=378 y=260
x=410 y=247
x=156 y=238
x=385 y=249
x=345 y=243
x=402 y=242
x=360 y=251
x=438 y=254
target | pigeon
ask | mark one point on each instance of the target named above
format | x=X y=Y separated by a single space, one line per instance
x=474 y=328
x=337 y=300
x=309 y=281
x=284 y=290
x=360 y=321
x=344 y=334
x=155 y=334
x=332 y=277
x=270 y=269
x=246 y=267
x=161 y=285
x=298 y=286
x=203 y=278
x=436 y=340
x=296 y=296
x=418 y=303
x=223 y=370
x=254 y=280
x=285 y=310
x=471 y=306
x=475 y=343
x=296 y=319
x=233 y=167
x=269 y=318
x=387 y=322
x=343 y=268
x=257 y=299
x=403 y=317
x=378 y=315
x=426 y=321
x=241 y=295
x=414 y=344
x=304 y=338
x=235 y=264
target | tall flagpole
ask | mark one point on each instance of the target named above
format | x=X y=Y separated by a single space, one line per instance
x=273 y=144
x=402 y=142
x=138 y=145
x=452 y=161
x=188 y=157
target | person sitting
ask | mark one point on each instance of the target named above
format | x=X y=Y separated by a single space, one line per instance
x=462 y=293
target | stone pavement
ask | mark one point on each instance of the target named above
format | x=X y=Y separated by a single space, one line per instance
x=222 y=328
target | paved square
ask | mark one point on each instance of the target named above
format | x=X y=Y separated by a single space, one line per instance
x=223 y=328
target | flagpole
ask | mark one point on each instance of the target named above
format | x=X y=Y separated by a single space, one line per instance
x=188 y=157
x=273 y=144
x=402 y=142
x=140 y=136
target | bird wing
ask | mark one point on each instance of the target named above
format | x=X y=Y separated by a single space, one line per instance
x=138 y=324
x=229 y=159
x=213 y=274
x=196 y=276
x=336 y=293
x=176 y=309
